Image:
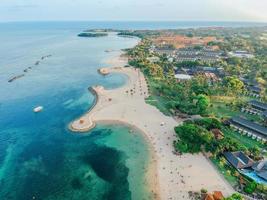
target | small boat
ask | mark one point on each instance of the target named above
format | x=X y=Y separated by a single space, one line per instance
x=38 y=109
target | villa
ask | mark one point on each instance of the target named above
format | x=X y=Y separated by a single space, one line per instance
x=246 y=127
x=238 y=160
x=246 y=166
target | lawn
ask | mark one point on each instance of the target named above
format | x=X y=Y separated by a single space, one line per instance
x=159 y=103
x=247 y=141
x=155 y=100
x=220 y=109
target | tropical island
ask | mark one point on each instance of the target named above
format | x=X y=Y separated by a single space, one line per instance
x=199 y=96
x=87 y=34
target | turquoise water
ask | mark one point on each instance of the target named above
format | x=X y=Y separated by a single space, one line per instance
x=255 y=177
x=39 y=157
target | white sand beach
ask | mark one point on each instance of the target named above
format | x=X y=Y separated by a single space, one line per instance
x=171 y=176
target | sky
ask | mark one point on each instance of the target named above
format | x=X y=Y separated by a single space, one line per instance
x=136 y=10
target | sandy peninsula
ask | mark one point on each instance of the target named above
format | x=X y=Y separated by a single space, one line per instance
x=170 y=176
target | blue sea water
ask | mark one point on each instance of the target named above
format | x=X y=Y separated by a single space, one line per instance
x=133 y=25
x=39 y=157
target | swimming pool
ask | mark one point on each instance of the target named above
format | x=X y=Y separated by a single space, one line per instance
x=254 y=176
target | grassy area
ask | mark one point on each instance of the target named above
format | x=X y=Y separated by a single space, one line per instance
x=158 y=103
x=247 y=141
x=224 y=171
x=155 y=100
x=220 y=109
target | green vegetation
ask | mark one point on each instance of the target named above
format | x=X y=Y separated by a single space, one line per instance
x=189 y=97
x=194 y=96
x=235 y=196
x=226 y=170
x=192 y=135
x=246 y=141
x=250 y=187
x=215 y=101
x=92 y=34
x=191 y=138
x=195 y=136
x=224 y=107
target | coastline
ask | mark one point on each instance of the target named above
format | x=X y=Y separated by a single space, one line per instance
x=92 y=90
x=151 y=176
x=170 y=176
x=151 y=173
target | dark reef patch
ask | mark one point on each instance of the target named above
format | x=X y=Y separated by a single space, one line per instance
x=49 y=167
x=110 y=165
x=76 y=183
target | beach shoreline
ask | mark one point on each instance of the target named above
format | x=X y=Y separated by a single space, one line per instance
x=169 y=176
x=151 y=172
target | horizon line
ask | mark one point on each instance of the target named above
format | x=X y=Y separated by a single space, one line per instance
x=131 y=20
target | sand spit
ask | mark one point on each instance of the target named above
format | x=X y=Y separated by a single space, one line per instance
x=171 y=176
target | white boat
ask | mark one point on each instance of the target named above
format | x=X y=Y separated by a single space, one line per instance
x=38 y=109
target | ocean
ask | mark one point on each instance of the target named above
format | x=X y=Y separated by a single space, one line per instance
x=39 y=157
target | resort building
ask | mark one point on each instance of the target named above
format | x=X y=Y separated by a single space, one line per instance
x=260 y=169
x=238 y=160
x=241 y=54
x=246 y=166
x=259 y=106
x=255 y=107
x=252 y=86
x=251 y=129
x=197 y=55
x=216 y=195
x=205 y=69
x=181 y=55
x=166 y=51
x=264 y=115
x=254 y=91
x=182 y=77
